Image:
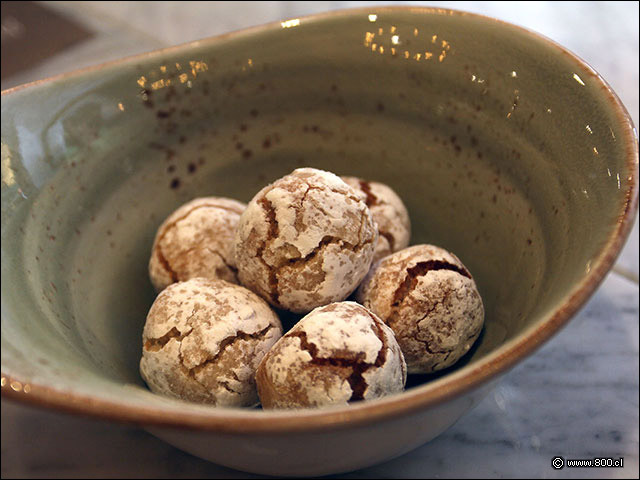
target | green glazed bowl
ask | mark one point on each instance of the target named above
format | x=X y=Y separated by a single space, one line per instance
x=507 y=149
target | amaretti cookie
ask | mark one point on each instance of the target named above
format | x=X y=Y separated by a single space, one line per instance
x=430 y=301
x=336 y=354
x=203 y=341
x=196 y=241
x=304 y=241
x=389 y=213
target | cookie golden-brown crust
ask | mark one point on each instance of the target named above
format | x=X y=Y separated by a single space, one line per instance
x=337 y=354
x=389 y=213
x=430 y=301
x=203 y=341
x=196 y=241
x=304 y=241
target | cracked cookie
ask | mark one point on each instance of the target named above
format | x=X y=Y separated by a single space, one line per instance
x=196 y=241
x=203 y=340
x=389 y=213
x=304 y=241
x=336 y=354
x=430 y=301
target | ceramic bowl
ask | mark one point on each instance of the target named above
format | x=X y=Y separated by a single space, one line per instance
x=507 y=149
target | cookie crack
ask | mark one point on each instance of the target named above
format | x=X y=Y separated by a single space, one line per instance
x=270 y=212
x=272 y=292
x=157 y=344
x=473 y=334
x=371 y=199
x=437 y=364
x=224 y=384
x=298 y=222
x=420 y=269
x=425 y=343
x=304 y=195
x=224 y=260
x=390 y=238
x=326 y=241
x=272 y=233
x=427 y=347
x=230 y=340
x=358 y=367
x=355 y=198
x=192 y=372
x=165 y=264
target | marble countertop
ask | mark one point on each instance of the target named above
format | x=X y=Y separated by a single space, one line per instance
x=576 y=397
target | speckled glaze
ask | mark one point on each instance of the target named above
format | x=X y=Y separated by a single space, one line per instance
x=506 y=149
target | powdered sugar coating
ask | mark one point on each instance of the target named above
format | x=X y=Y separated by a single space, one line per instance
x=196 y=241
x=203 y=341
x=429 y=299
x=389 y=213
x=304 y=241
x=336 y=354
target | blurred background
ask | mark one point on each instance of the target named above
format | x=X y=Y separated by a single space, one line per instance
x=42 y=39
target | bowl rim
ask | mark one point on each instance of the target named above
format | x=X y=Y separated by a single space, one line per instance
x=411 y=401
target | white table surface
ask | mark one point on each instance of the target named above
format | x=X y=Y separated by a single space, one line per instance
x=576 y=397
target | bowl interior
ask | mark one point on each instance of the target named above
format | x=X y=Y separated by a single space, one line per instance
x=506 y=151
